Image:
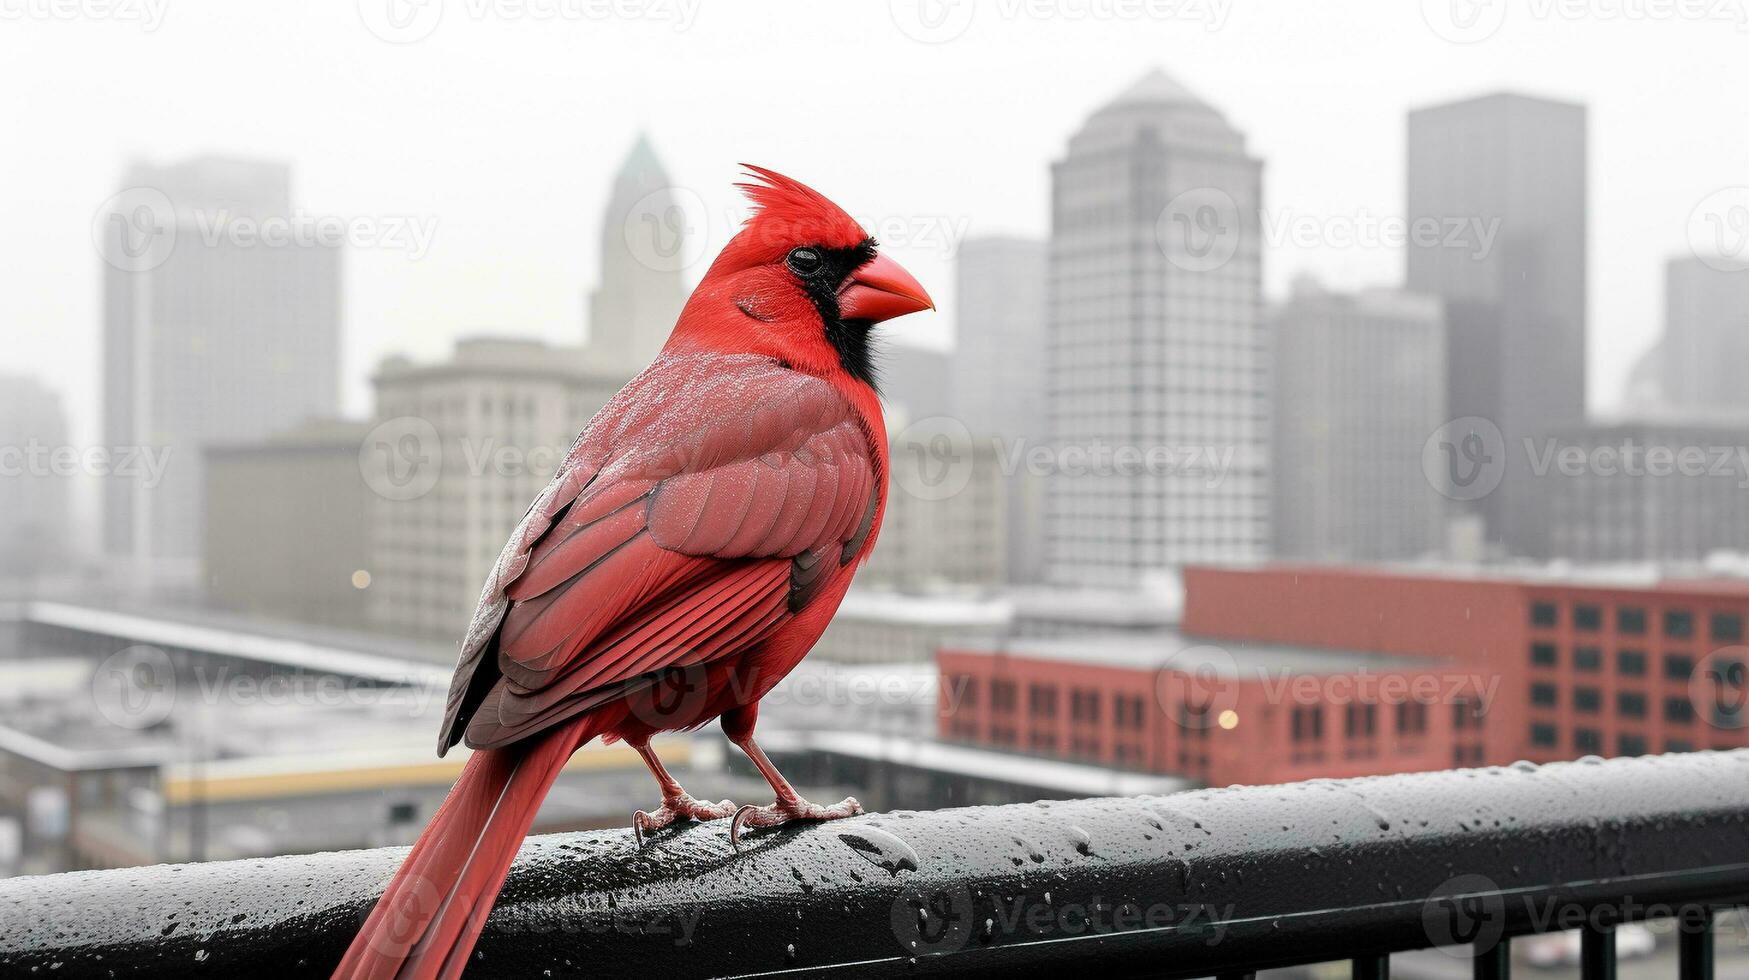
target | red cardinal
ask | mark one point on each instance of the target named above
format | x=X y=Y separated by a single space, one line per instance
x=685 y=557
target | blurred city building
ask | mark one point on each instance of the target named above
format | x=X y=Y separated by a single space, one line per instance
x=288 y=525
x=643 y=252
x=915 y=382
x=213 y=330
x=1649 y=489
x=1499 y=185
x=459 y=451
x=1698 y=361
x=1359 y=384
x=887 y=627
x=1287 y=672
x=945 y=524
x=1156 y=342
x=1236 y=712
x=999 y=374
x=1605 y=660
x=37 y=471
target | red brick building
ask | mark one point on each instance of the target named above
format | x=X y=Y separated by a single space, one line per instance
x=1291 y=672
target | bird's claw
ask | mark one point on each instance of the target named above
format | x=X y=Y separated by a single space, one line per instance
x=678 y=808
x=781 y=813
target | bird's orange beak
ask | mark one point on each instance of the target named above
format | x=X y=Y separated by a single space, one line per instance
x=882 y=290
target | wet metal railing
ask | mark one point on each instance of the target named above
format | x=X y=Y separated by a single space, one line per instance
x=1217 y=882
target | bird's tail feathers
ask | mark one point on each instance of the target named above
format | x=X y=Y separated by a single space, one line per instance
x=425 y=925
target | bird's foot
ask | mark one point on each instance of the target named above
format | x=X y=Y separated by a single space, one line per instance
x=781 y=813
x=682 y=807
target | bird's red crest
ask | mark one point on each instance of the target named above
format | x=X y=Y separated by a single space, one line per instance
x=788 y=212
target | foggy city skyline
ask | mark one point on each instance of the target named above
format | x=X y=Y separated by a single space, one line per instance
x=513 y=222
x=1226 y=442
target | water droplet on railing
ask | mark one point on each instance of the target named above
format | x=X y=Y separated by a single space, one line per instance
x=882 y=849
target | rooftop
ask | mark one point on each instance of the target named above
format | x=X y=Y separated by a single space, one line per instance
x=1169 y=648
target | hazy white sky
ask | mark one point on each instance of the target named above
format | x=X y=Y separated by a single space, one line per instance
x=504 y=124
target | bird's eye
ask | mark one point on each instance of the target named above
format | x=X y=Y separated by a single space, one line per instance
x=804 y=261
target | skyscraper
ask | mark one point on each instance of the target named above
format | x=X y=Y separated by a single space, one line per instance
x=1156 y=349
x=1706 y=337
x=207 y=335
x=35 y=484
x=999 y=370
x=643 y=252
x=1359 y=382
x=1502 y=180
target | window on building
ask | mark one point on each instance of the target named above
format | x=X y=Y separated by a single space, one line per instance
x=1544 y=695
x=1543 y=654
x=966 y=687
x=1631 y=620
x=1084 y=705
x=1588 y=618
x=1466 y=714
x=1678 y=745
x=1411 y=718
x=1631 y=663
x=1588 y=659
x=1042 y=700
x=1678 y=711
x=1003 y=696
x=1542 y=735
x=1678 y=666
x=1587 y=699
x=1126 y=710
x=1307 y=722
x=1588 y=740
x=1727 y=627
x=1544 y=614
x=1360 y=720
x=1678 y=623
x=1630 y=745
x=1630 y=704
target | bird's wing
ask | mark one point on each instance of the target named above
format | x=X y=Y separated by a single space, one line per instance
x=699 y=510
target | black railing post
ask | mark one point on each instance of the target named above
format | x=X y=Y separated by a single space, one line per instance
x=1597 y=952
x=1493 y=962
x=1694 y=949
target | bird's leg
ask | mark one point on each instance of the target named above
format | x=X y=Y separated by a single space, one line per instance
x=789 y=805
x=676 y=803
